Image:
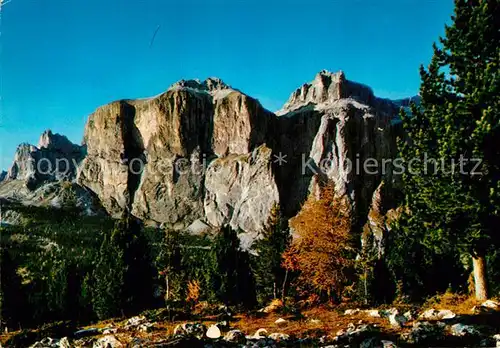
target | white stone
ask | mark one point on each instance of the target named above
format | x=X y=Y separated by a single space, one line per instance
x=235 y=336
x=260 y=333
x=108 y=341
x=463 y=330
x=64 y=343
x=375 y=313
x=397 y=320
x=491 y=304
x=446 y=314
x=214 y=332
x=279 y=337
x=432 y=314
x=280 y=321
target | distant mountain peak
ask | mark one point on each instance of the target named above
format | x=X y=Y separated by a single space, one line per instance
x=327 y=87
x=212 y=85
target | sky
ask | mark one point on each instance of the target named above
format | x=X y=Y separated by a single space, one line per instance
x=61 y=59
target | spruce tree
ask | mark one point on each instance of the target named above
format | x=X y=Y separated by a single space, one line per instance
x=123 y=277
x=267 y=268
x=454 y=201
x=230 y=274
x=128 y=236
x=108 y=280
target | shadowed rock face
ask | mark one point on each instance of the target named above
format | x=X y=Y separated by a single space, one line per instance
x=207 y=153
x=330 y=128
x=44 y=175
x=55 y=159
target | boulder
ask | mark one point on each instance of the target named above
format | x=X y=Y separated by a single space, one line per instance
x=214 y=332
x=491 y=304
x=64 y=343
x=423 y=331
x=497 y=339
x=190 y=329
x=464 y=330
x=235 y=336
x=433 y=314
x=397 y=320
x=52 y=343
x=260 y=333
x=135 y=321
x=109 y=330
x=279 y=337
x=146 y=327
x=108 y=341
x=375 y=313
x=281 y=321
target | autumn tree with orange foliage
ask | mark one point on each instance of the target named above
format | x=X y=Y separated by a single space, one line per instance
x=321 y=251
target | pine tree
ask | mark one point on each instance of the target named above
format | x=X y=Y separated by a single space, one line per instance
x=108 y=281
x=138 y=276
x=230 y=273
x=450 y=202
x=123 y=275
x=268 y=271
x=169 y=265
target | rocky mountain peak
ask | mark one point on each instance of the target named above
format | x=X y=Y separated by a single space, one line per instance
x=212 y=85
x=55 y=158
x=327 y=87
x=57 y=142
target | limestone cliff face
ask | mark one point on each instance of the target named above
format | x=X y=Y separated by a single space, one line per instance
x=108 y=136
x=346 y=135
x=205 y=154
x=157 y=157
x=176 y=129
x=240 y=190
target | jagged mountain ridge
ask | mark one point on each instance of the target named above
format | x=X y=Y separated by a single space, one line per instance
x=235 y=142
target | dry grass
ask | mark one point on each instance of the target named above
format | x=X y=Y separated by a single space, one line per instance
x=458 y=303
x=314 y=322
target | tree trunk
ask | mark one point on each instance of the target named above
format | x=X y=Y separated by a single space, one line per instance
x=283 y=288
x=480 y=281
x=167 y=295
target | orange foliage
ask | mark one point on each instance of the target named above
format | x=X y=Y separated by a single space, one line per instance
x=321 y=250
x=193 y=292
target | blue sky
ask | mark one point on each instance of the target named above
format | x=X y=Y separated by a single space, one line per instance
x=61 y=59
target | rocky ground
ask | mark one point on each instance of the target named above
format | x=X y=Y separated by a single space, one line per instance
x=403 y=326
